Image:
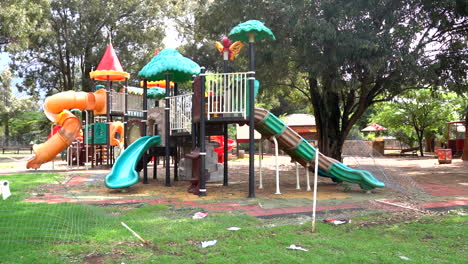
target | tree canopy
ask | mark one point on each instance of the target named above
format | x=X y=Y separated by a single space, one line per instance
x=11 y=106
x=418 y=114
x=74 y=35
x=336 y=57
x=345 y=56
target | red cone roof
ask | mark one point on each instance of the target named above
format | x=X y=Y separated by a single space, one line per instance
x=109 y=67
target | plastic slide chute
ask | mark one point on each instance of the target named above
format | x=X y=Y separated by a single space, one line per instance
x=303 y=152
x=220 y=149
x=55 y=108
x=124 y=172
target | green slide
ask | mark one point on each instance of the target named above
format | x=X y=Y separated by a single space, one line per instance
x=123 y=172
x=303 y=152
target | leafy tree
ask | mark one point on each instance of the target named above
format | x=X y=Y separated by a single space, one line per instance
x=417 y=114
x=11 y=106
x=343 y=56
x=75 y=37
x=21 y=21
x=450 y=67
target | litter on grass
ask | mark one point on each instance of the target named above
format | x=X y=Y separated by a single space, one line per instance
x=5 y=189
x=334 y=221
x=294 y=247
x=210 y=243
x=199 y=215
x=234 y=228
x=404 y=258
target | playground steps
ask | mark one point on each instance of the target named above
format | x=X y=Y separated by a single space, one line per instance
x=214 y=168
x=156 y=116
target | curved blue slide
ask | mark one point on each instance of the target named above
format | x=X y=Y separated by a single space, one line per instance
x=123 y=172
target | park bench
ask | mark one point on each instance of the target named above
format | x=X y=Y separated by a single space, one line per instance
x=17 y=149
x=414 y=151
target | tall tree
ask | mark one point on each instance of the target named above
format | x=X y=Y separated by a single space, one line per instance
x=76 y=35
x=343 y=56
x=20 y=21
x=11 y=105
x=421 y=110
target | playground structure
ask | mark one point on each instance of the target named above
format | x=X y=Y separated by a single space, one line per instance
x=181 y=124
x=456 y=137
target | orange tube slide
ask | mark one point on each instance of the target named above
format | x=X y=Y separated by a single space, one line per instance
x=55 y=109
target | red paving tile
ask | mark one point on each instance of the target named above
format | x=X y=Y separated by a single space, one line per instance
x=445 y=203
x=253 y=210
x=442 y=190
x=77 y=180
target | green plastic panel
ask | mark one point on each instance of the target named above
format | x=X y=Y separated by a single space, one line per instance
x=100 y=135
x=272 y=125
x=304 y=151
x=364 y=178
x=256 y=89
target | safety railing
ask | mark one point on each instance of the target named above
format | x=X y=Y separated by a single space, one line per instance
x=135 y=105
x=181 y=113
x=118 y=102
x=226 y=94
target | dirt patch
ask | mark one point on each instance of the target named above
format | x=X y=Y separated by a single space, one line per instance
x=406 y=217
x=94 y=259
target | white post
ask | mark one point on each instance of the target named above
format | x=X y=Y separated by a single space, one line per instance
x=260 y=156
x=307 y=177
x=68 y=157
x=314 y=207
x=277 y=167
x=298 y=186
x=51 y=133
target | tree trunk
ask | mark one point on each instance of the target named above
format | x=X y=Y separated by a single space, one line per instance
x=6 y=123
x=465 y=146
x=421 y=146
x=327 y=118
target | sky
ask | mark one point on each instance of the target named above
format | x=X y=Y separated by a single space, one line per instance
x=4 y=60
x=172 y=39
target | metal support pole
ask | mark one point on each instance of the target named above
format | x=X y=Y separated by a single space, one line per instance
x=202 y=136
x=108 y=117
x=145 y=128
x=155 y=167
x=176 y=163
x=277 y=166
x=168 y=131
x=126 y=112
x=86 y=138
x=226 y=134
x=260 y=156
x=226 y=156
x=251 y=117
x=93 y=154
x=176 y=141
x=298 y=185
x=307 y=177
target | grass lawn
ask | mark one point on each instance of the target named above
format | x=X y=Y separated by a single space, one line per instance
x=74 y=233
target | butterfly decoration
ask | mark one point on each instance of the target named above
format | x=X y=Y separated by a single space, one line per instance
x=226 y=44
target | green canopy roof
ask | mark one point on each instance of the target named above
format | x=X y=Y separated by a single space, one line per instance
x=241 y=31
x=153 y=93
x=170 y=60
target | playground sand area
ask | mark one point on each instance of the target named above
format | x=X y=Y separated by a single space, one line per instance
x=441 y=185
